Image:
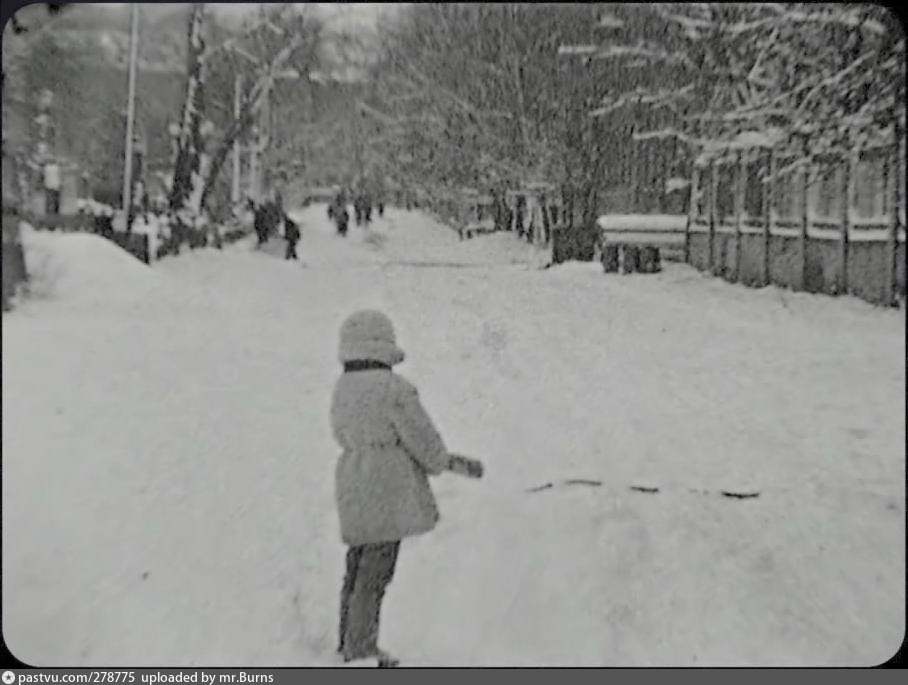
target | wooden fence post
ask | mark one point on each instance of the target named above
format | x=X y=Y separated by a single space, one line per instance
x=713 y=193
x=845 y=210
x=691 y=211
x=740 y=174
x=769 y=202
x=805 y=220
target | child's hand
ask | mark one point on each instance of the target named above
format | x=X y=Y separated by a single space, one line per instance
x=471 y=468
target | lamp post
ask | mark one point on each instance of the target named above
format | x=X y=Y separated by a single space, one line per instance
x=130 y=113
x=43 y=133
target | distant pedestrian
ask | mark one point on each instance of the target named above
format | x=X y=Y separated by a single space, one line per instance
x=52 y=184
x=342 y=219
x=359 y=209
x=292 y=236
x=260 y=223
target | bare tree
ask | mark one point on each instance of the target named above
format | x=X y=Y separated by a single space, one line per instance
x=186 y=190
x=277 y=39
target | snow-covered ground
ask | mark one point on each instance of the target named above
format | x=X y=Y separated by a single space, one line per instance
x=168 y=464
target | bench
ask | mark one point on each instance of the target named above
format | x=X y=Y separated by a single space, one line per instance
x=635 y=243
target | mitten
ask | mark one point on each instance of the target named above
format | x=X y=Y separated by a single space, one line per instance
x=472 y=468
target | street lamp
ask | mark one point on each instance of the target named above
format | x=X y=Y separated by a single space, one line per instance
x=130 y=113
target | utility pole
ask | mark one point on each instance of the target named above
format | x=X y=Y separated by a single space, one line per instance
x=130 y=113
x=235 y=187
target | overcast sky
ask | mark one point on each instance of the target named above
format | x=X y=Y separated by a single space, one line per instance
x=340 y=14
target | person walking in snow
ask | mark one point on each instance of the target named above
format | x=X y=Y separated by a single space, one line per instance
x=292 y=236
x=260 y=222
x=390 y=448
x=274 y=214
x=341 y=216
x=358 y=208
x=367 y=209
x=52 y=185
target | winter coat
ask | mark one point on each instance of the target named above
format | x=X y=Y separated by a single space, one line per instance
x=260 y=219
x=291 y=230
x=390 y=447
x=273 y=217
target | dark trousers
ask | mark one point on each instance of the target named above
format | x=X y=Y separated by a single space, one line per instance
x=369 y=570
x=291 y=250
x=51 y=201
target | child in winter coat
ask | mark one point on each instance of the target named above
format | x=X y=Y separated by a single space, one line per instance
x=390 y=448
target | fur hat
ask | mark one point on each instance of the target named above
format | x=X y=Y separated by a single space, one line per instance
x=369 y=334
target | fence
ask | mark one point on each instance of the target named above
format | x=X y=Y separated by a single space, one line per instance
x=836 y=227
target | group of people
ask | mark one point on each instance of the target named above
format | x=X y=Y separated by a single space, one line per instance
x=363 y=206
x=268 y=215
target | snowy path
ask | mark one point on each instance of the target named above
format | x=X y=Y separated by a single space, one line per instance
x=168 y=466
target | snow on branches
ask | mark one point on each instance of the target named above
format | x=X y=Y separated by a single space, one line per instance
x=820 y=78
x=186 y=190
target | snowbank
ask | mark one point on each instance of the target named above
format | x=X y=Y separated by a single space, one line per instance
x=84 y=268
x=173 y=474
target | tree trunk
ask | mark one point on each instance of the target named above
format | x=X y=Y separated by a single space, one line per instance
x=237 y=128
x=897 y=200
x=740 y=175
x=187 y=172
x=769 y=206
x=845 y=209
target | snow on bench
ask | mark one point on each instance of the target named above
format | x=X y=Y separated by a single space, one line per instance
x=652 y=229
